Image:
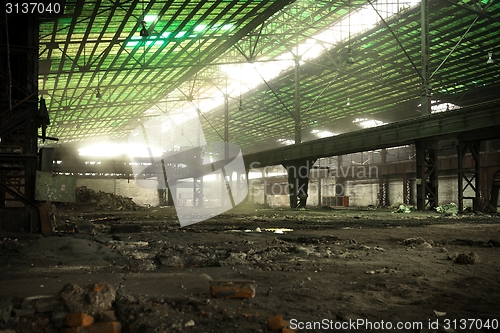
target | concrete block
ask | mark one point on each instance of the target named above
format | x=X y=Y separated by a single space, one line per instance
x=233 y=288
x=276 y=323
x=79 y=319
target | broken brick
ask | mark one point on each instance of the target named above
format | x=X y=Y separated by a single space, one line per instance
x=107 y=316
x=79 y=319
x=233 y=289
x=276 y=323
x=109 y=327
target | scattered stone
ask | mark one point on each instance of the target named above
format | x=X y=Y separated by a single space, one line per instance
x=465 y=258
x=189 y=323
x=87 y=300
x=439 y=313
x=414 y=241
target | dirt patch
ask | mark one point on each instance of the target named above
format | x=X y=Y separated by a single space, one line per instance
x=335 y=265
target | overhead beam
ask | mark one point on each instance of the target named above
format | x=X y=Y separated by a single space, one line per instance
x=467 y=119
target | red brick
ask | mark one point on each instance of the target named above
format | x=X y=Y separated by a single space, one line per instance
x=79 y=319
x=233 y=289
x=110 y=327
x=276 y=323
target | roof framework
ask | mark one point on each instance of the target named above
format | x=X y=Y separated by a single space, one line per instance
x=198 y=52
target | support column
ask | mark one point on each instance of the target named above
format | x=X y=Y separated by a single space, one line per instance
x=425 y=51
x=320 y=184
x=298 y=181
x=162 y=196
x=427 y=174
x=471 y=176
x=383 y=188
x=298 y=117
x=406 y=190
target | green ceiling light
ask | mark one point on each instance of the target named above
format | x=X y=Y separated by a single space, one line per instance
x=490 y=58
x=181 y=34
x=150 y=18
x=200 y=28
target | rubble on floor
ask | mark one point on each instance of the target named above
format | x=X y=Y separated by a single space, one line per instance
x=405 y=209
x=465 y=258
x=88 y=199
x=449 y=209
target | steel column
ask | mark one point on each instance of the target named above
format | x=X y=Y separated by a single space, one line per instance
x=425 y=50
x=383 y=188
x=471 y=177
x=427 y=174
x=298 y=116
x=298 y=181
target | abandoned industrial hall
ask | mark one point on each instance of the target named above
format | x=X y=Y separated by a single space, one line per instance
x=248 y=166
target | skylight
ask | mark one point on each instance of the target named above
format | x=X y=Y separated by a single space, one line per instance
x=244 y=77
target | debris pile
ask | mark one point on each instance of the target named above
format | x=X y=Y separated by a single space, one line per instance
x=405 y=209
x=88 y=199
x=465 y=258
x=449 y=209
x=74 y=309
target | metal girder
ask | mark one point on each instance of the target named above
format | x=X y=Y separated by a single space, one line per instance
x=427 y=174
x=383 y=192
x=470 y=176
x=467 y=119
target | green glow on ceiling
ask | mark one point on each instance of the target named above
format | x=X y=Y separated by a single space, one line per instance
x=200 y=28
x=150 y=18
x=181 y=34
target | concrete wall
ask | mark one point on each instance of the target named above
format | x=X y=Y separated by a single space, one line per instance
x=365 y=192
x=123 y=187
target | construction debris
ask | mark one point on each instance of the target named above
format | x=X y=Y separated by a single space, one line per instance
x=465 y=258
x=233 y=289
x=449 y=209
x=92 y=300
x=405 y=209
x=88 y=199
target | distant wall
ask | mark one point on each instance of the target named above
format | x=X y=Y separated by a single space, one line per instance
x=364 y=193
